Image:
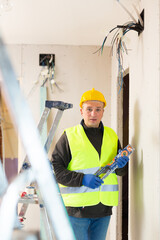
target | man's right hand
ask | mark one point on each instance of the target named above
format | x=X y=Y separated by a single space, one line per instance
x=91 y=181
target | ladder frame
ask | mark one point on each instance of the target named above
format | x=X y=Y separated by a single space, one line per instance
x=61 y=106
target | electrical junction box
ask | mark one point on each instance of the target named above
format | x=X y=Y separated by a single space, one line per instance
x=47 y=60
x=142 y=17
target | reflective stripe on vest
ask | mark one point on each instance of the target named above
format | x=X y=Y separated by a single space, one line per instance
x=88 y=170
x=83 y=189
x=85 y=159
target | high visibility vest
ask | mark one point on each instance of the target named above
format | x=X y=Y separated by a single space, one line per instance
x=85 y=159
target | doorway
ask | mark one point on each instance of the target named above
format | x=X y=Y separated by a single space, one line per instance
x=125 y=141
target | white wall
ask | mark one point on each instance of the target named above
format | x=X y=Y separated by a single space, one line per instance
x=77 y=70
x=144 y=112
x=144 y=129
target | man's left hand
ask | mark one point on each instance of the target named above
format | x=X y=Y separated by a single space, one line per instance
x=122 y=161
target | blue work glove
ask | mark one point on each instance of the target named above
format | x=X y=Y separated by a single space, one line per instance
x=91 y=181
x=122 y=161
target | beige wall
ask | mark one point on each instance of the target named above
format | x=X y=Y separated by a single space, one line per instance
x=77 y=70
x=144 y=129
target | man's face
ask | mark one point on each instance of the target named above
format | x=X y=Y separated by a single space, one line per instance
x=92 y=113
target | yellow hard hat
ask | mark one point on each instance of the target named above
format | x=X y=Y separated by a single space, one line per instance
x=92 y=95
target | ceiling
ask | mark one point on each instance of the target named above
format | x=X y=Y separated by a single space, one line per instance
x=67 y=22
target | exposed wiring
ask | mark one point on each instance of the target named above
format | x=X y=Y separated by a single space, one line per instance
x=121 y=48
x=118 y=39
x=50 y=78
x=46 y=75
x=126 y=10
x=51 y=60
x=101 y=48
x=139 y=16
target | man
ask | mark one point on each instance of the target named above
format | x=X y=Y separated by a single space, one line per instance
x=78 y=154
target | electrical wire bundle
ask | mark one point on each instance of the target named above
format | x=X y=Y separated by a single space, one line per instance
x=118 y=39
x=48 y=73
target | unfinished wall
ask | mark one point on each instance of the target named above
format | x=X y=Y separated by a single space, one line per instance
x=144 y=111
x=144 y=129
x=77 y=70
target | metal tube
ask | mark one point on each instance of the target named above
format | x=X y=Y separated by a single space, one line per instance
x=37 y=156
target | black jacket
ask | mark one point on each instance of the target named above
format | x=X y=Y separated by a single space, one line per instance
x=61 y=157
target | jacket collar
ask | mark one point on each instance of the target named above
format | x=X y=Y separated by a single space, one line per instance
x=101 y=127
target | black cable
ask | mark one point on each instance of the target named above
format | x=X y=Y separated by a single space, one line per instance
x=120 y=44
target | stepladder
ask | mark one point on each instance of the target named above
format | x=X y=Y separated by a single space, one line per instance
x=36 y=198
x=32 y=195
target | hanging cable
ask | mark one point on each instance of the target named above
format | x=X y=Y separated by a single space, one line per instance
x=118 y=39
